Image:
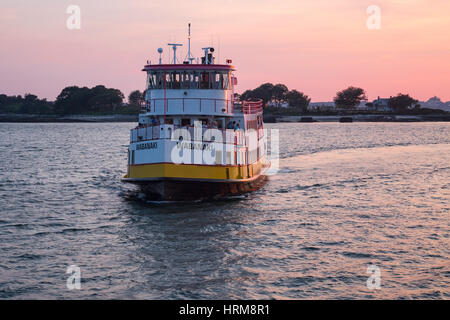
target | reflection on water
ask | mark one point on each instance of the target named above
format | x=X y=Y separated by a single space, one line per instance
x=346 y=197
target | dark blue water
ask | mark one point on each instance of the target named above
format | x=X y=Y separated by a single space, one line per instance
x=347 y=196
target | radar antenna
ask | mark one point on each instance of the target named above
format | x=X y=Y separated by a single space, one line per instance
x=160 y=51
x=208 y=59
x=174 y=47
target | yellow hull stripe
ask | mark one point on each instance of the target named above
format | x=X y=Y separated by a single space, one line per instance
x=192 y=171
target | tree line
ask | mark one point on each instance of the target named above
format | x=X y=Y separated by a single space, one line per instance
x=100 y=99
x=74 y=100
x=347 y=99
x=353 y=96
x=278 y=94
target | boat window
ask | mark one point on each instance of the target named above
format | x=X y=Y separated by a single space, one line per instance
x=195 y=81
x=218 y=80
x=204 y=80
x=169 y=77
x=176 y=80
x=151 y=80
x=217 y=84
x=185 y=80
x=226 y=81
x=160 y=80
x=222 y=82
x=185 y=122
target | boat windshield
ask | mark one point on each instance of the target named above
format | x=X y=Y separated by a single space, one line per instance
x=218 y=80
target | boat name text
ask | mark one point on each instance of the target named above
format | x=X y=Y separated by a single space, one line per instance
x=194 y=146
x=149 y=145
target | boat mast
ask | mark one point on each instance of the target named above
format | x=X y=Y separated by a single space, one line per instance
x=189 y=44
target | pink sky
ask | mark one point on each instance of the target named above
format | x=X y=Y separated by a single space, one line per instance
x=315 y=46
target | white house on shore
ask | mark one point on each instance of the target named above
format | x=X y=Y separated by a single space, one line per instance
x=321 y=106
x=274 y=104
x=362 y=105
x=380 y=104
x=330 y=106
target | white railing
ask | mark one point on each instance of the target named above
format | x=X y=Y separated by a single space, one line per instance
x=189 y=105
x=146 y=133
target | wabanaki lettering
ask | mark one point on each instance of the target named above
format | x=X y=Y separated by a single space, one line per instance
x=150 y=145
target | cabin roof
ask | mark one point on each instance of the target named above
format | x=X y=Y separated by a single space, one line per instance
x=208 y=67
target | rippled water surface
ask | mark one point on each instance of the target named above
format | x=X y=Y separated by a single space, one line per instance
x=346 y=196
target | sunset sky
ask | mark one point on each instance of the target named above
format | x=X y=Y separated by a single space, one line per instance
x=315 y=46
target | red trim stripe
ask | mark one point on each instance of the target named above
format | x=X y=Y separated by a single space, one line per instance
x=188 y=67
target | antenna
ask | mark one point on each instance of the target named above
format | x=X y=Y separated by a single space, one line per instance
x=160 y=51
x=218 y=53
x=189 y=42
x=174 y=47
x=208 y=56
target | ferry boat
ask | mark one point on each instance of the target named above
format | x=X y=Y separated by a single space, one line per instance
x=194 y=140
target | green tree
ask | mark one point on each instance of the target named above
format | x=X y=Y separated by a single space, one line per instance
x=69 y=100
x=349 y=98
x=263 y=92
x=31 y=104
x=105 y=99
x=30 y=98
x=73 y=100
x=136 y=98
x=402 y=102
x=279 y=92
x=298 y=100
x=246 y=95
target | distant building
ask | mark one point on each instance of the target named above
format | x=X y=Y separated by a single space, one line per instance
x=362 y=105
x=321 y=106
x=436 y=103
x=381 y=104
x=274 y=104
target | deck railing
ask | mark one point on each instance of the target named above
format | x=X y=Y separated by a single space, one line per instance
x=197 y=105
x=202 y=105
x=146 y=133
x=250 y=107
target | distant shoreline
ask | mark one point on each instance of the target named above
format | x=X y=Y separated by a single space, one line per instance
x=32 y=118
x=356 y=118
